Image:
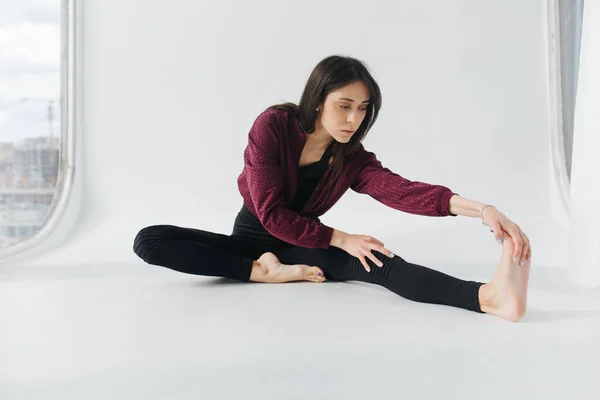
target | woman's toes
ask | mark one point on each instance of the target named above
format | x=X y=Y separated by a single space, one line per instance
x=320 y=274
x=316 y=274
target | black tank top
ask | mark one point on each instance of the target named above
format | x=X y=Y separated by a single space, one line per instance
x=308 y=179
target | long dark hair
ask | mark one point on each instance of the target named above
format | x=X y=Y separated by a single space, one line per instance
x=330 y=74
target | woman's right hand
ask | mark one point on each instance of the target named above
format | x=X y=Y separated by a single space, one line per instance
x=360 y=246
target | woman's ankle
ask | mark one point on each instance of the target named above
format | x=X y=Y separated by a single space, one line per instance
x=487 y=298
x=257 y=272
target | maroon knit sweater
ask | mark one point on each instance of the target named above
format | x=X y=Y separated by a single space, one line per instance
x=269 y=178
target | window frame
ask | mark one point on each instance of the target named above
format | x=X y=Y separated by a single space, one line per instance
x=70 y=104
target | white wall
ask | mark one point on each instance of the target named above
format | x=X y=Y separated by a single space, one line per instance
x=170 y=91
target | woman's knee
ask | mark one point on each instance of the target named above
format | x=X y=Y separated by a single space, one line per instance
x=147 y=239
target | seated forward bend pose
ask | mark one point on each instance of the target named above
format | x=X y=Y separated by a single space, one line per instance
x=299 y=161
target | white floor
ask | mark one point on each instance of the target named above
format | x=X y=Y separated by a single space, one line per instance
x=138 y=331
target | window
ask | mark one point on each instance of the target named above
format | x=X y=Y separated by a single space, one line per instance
x=36 y=62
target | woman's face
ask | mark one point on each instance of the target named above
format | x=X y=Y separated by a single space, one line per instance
x=344 y=110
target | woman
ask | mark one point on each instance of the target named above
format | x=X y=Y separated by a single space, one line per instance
x=299 y=161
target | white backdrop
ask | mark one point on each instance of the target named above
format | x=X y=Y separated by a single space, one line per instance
x=171 y=90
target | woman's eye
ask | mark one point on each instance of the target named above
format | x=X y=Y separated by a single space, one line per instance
x=345 y=107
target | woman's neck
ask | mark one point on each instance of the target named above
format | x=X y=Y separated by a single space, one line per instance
x=320 y=139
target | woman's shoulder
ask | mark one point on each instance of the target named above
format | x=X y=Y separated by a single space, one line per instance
x=275 y=121
x=362 y=157
x=271 y=129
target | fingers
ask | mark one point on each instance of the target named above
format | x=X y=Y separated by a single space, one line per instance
x=364 y=263
x=522 y=247
x=515 y=234
x=518 y=249
x=526 y=248
x=498 y=233
x=380 y=247
x=374 y=245
x=385 y=251
x=374 y=259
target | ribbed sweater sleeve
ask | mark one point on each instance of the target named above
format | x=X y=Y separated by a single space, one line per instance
x=399 y=193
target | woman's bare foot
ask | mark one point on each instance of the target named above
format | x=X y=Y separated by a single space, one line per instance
x=276 y=272
x=506 y=295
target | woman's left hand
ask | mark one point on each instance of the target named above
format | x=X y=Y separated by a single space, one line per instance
x=500 y=224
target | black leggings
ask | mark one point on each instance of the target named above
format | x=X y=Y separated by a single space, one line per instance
x=198 y=252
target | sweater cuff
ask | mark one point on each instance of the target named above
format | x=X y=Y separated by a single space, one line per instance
x=325 y=240
x=444 y=206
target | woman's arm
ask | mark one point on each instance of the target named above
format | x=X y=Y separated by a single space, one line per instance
x=263 y=182
x=397 y=192
x=465 y=207
x=497 y=221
